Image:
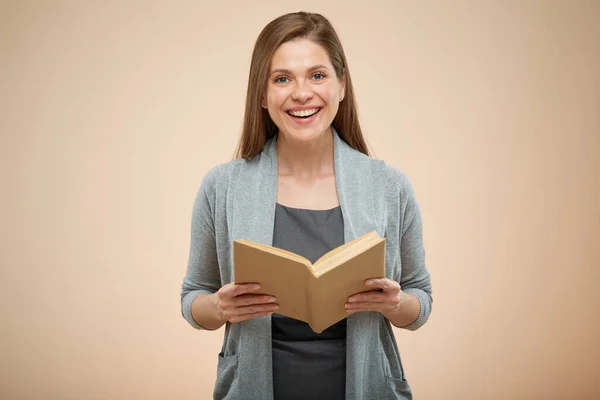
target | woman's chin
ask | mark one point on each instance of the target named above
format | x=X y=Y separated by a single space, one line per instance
x=305 y=133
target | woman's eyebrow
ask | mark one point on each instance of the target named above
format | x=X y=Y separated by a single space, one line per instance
x=289 y=72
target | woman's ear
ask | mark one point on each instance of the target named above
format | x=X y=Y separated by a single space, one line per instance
x=343 y=86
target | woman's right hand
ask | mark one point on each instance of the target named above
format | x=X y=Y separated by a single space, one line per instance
x=237 y=302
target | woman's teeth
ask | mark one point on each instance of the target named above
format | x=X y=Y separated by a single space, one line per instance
x=304 y=113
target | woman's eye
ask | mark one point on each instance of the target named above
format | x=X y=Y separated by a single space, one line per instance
x=281 y=79
x=318 y=76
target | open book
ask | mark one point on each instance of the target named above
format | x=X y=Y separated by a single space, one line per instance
x=313 y=293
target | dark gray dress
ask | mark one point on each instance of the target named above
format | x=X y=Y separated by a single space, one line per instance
x=307 y=365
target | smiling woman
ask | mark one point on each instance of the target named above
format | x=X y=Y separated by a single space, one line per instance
x=298 y=63
x=303 y=181
x=303 y=91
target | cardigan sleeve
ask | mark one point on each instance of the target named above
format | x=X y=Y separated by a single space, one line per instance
x=414 y=277
x=202 y=275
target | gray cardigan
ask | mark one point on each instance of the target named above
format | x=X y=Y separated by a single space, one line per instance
x=236 y=200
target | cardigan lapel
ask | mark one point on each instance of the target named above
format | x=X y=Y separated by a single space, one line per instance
x=355 y=189
x=255 y=197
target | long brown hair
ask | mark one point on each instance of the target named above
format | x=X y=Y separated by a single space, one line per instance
x=258 y=126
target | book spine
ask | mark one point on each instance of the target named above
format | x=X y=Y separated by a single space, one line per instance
x=312 y=298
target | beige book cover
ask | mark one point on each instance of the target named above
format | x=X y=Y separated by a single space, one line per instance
x=313 y=293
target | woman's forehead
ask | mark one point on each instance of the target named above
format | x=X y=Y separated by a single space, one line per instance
x=300 y=55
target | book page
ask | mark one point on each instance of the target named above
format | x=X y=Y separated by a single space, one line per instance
x=340 y=254
x=274 y=250
x=345 y=246
x=330 y=291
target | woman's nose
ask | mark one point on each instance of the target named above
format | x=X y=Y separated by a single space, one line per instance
x=302 y=91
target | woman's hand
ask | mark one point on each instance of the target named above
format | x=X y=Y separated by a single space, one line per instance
x=236 y=302
x=385 y=297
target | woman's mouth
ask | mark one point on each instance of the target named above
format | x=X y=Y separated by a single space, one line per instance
x=304 y=114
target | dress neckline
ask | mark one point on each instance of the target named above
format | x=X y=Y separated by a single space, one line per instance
x=307 y=209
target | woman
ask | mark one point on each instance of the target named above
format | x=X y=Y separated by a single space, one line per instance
x=303 y=181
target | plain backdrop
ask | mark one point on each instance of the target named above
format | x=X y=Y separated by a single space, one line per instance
x=111 y=112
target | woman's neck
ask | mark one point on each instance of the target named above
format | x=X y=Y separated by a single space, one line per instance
x=305 y=160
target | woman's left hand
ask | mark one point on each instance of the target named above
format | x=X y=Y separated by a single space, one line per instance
x=385 y=297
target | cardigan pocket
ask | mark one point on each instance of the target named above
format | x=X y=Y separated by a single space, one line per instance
x=391 y=361
x=226 y=384
x=400 y=388
x=392 y=367
x=393 y=372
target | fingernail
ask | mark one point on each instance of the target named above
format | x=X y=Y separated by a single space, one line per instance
x=255 y=286
x=370 y=282
x=351 y=300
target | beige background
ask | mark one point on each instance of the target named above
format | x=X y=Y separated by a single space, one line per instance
x=112 y=112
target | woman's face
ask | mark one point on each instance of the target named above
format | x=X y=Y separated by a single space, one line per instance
x=303 y=91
